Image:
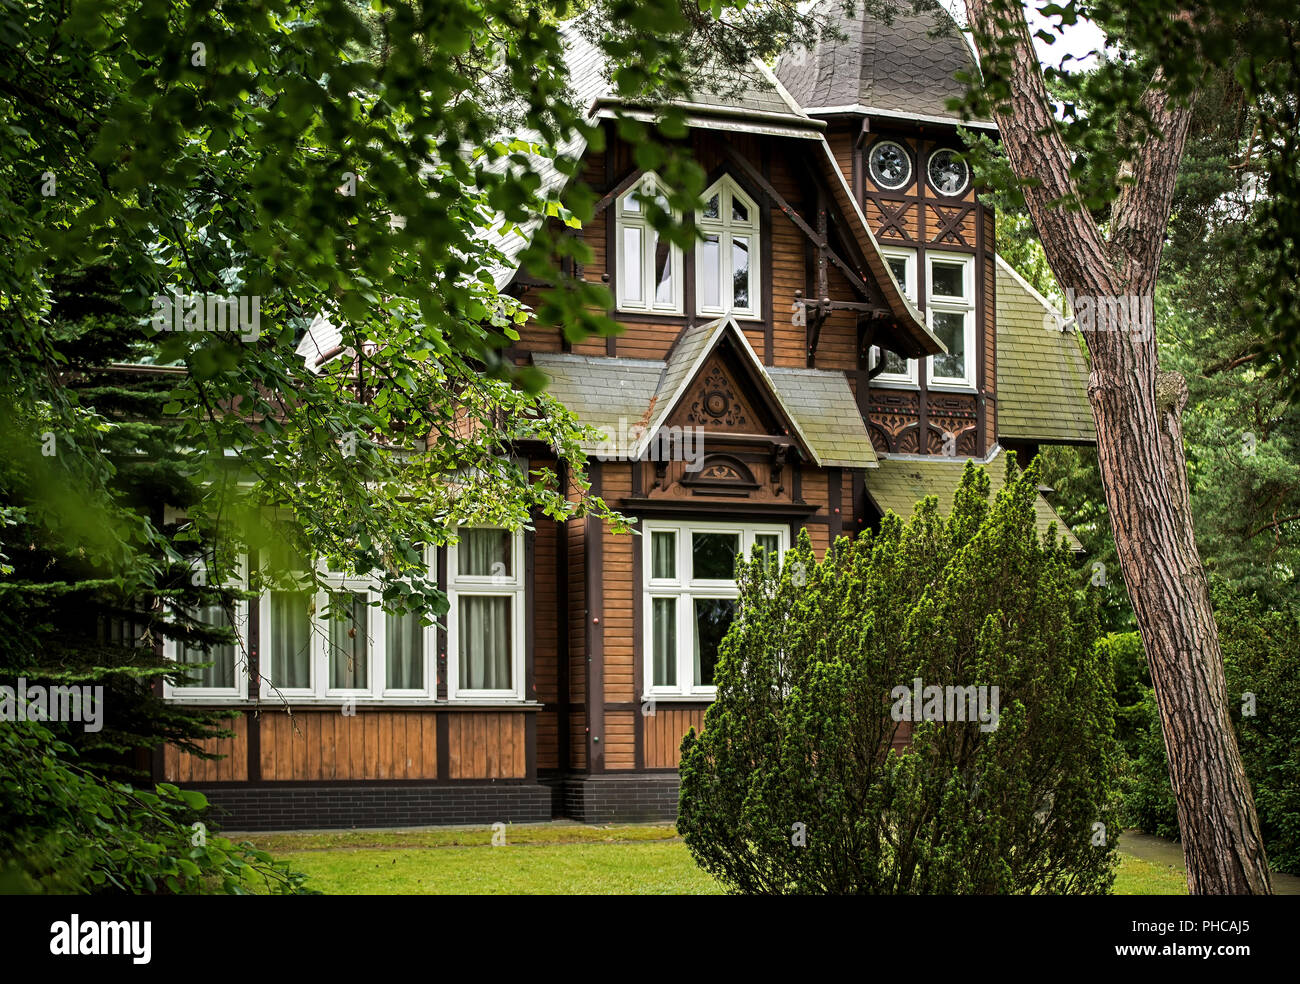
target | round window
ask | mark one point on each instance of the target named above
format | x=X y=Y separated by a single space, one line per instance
x=949 y=174
x=891 y=165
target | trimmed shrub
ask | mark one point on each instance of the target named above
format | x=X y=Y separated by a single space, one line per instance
x=795 y=785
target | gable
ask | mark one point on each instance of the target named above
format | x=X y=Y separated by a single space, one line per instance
x=723 y=398
x=732 y=393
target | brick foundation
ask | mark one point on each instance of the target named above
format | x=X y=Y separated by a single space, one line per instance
x=298 y=806
x=621 y=799
x=339 y=805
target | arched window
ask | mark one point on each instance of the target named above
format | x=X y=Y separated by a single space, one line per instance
x=726 y=261
x=649 y=268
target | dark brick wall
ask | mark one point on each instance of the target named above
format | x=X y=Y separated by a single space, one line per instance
x=302 y=806
x=621 y=799
x=298 y=806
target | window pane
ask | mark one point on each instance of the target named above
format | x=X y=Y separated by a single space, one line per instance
x=290 y=632
x=738 y=210
x=713 y=556
x=951 y=329
x=484 y=553
x=713 y=617
x=284 y=558
x=769 y=544
x=349 y=642
x=222 y=657
x=404 y=642
x=484 y=643
x=664 y=293
x=898 y=266
x=630 y=275
x=631 y=202
x=711 y=208
x=894 y=363
x=740 y=271
x=663 y=555
x=947 y=279
x=665 y=642
x=709 y=272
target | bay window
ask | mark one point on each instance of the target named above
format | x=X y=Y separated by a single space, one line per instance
x=690 y=598
x=726 y=260
x=950 y=307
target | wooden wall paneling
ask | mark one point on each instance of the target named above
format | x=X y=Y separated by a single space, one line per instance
x=180 y=766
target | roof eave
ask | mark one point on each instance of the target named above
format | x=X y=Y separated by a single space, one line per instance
x=604 y=108
x=857 y=109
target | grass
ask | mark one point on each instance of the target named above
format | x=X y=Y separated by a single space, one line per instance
x=545 y=859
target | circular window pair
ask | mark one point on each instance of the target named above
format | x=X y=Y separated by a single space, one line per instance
x=891 y=168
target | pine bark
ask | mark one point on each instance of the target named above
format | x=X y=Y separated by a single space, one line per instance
x=1137 y=410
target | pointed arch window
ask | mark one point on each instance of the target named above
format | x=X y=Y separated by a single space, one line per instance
x=649 y=267
x=727 y=259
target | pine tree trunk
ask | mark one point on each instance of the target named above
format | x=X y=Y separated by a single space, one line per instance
x=1137 y=411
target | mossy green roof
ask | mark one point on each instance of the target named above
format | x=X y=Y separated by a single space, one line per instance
x=901 y=482
x=1042 y=372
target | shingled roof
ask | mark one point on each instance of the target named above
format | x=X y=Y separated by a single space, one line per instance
x=614 y=394
x=1042 y=373
x=901 y=482
x=905 y=68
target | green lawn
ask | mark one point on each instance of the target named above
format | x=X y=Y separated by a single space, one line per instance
x=566 y=859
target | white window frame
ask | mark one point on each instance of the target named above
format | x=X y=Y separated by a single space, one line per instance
x=648 y=187
x=321 y=641
x=319 y=689
x=171 y=651
x=930 y=181
x=909 y=378
x=964 y=306
x=460 y=585
x=726 y=228
x=686 y=589
x=911 y=166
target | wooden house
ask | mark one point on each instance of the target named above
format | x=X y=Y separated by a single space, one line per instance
x=839 y=342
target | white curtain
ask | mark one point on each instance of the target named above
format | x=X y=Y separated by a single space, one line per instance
x=290 y=639
x=484 y=642
x=484 y=553
x=404 y=640
x=222 y=657
x=663 y=555
x=348 y=642
x=665 y=642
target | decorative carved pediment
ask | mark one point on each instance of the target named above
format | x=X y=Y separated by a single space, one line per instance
x=722 y=399
x=721 y=474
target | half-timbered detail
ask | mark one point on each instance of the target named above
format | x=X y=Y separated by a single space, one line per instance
x=840 y=339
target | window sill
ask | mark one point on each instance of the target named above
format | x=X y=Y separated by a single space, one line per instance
x=897 y=384
x=370 y=703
